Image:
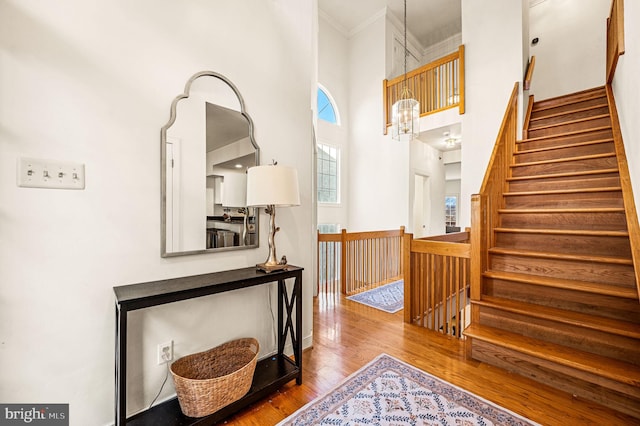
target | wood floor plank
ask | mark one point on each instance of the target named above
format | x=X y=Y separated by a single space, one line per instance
x=348 y=335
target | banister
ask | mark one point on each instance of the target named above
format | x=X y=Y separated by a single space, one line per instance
x=526 y=85
x=502 y=133
x=631 y=213
x=436 y=274
x=615 y=37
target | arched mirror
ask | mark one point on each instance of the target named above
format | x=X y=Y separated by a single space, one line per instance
x=206 y=148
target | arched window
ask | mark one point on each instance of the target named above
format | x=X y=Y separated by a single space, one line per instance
x=327 y=109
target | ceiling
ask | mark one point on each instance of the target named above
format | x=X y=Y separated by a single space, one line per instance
x=429 y=21
x=436 y=138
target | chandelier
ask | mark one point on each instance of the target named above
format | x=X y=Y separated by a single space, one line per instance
x=405 y=113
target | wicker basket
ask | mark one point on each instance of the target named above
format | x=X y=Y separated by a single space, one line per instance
x=208 y=381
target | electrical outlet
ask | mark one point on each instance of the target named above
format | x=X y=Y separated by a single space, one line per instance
x=165 y=352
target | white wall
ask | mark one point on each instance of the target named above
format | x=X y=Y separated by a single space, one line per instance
x=571 y=51
x=92 y=82
x=492 y=34
x=333 y=50
x=626 y=88
x=379 y=166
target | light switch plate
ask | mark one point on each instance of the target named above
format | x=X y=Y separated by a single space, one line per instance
x=39 y=173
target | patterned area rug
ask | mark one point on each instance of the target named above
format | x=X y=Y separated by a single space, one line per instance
x=390 y=392
x=388 y=298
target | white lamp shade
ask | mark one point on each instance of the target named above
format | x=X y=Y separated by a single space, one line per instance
x=272 y=185
x=234 y=190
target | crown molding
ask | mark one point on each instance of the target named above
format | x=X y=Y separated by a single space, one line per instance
x=329 y=20
x=373 y=18
x=533 y=3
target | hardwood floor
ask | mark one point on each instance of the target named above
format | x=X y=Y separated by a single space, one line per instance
x=348 y=335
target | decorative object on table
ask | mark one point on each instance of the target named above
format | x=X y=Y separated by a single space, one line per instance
x=272 y=186
x=389 y=391
x=388 y=297
x=208 y=381
x=405 y=113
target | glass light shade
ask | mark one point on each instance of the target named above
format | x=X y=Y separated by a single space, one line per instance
x=234 y=190
x=272 y=185
x=405 y=122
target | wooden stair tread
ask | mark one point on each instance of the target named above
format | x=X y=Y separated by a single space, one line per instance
x=563 y=191
x=563 y=256
x=576 y=121
x=563 y=210
x=565 y=159
x=565 y=146
x=565 y=174
x=608 y=325
x=581 y=232
x=564 y=134
x=572 y=111
x=561 y=283
x=571 y=98
x=584 y=361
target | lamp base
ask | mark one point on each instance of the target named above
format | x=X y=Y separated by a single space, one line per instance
x=270 y=268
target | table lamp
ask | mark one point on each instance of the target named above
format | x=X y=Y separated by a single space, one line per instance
x=272 y=186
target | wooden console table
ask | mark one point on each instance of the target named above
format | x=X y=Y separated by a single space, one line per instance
x=271 y=373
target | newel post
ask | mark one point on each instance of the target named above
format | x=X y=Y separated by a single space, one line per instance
x=343 y=261
x=406 y=274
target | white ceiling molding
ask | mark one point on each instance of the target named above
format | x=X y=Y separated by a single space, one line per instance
x=533 y=3
x=373 y=18
x=329 y=20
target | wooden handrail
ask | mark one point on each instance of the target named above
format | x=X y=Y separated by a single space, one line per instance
x=615 y=37
x=526 y=85
x=436 y=279
x=631 y=213
x=505 y=143
x=438 y=85
x=485 y=205
x=527 y=118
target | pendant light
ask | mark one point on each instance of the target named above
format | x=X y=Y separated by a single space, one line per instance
x=405 y=113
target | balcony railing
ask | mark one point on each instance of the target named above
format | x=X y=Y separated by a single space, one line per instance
x=351 y=262
x=438 y=86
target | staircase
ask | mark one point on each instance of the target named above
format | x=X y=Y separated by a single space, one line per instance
x=559 y=300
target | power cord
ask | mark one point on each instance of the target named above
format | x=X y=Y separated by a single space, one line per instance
x=165 y=356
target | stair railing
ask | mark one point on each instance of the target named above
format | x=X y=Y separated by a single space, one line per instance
x=351 y=262
x=486 y=204
x=438 y=85
x=615 y=37
x=436 y=282
x=633 y=228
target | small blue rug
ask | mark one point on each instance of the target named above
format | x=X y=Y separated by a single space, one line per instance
x=388 y=298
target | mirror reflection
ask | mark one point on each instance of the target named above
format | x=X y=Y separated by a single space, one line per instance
x=207 y=146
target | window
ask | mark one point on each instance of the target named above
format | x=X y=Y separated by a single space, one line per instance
x=328 y=161
x=326 y=107
x=329 y=228
x=451 y=210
